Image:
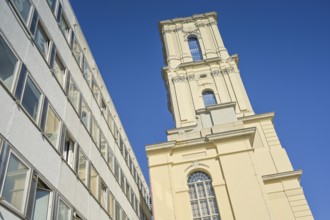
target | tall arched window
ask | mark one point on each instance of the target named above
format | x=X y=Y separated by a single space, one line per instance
x=202 y=199
x=209 y=98
x=195 y=49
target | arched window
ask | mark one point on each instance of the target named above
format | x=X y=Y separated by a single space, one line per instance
x=202 y=198
x=195 y=50
x=209 y=98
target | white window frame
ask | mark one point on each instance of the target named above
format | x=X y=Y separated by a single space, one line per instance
x=26 y=184
x=65 y=203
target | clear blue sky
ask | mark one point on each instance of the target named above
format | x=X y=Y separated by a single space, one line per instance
x=284 y=61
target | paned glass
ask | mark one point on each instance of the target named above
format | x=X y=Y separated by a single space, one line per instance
x=73 y=94
x=8 y=63
x=195 y=49
x=15 y=183
x=104 y=147
x=103 y=196
x=85 y=113
x=59 y=71
x=95 y=132
x=52 y=127
x=41 y=202
x=42 y=41
x=76 y=50
x=209 y=98
x=93 y=182
x=95 y=90
x=82 y=167
x=64 y=26
x=110 y=158
x=110 y=205
x=86 y=71
x=23 y=7
x=31 y=99
x=203 y=203
x=63 y=212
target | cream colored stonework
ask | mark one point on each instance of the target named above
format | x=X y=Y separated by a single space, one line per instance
x=251 y=173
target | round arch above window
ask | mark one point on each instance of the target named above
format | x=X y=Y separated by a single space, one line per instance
x=198 y=176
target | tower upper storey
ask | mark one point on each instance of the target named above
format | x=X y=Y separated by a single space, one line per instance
x=191 y=39
x=199 y=75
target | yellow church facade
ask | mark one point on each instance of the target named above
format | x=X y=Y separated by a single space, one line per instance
x=222 y=161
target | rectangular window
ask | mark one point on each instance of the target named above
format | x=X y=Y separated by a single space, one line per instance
x=122 y=180
x=127 y=189
x=76 y=50
x=63 y=211
x=93 y=182
x=73 y=94
x=68 y=149
x=82 y=167
x=85 y=114
x=86 y=71
x=103 y=196
x=63 y=24
x=8 y=63
x=52 y=126
x=15 y=183
x=104 y=147
x=31 y=99
x=110 y=159
x=59 y=71
x=52 y=4
x=118 y=211
x=42 y=41
x=111 y=201
x=42 y=202
x=104 y=108
x=95 y=132
x=116 y=170
x=23 y=7
x=95 y=90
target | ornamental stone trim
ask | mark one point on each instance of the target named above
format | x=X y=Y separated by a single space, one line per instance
x=178 y=79
x=190 y=77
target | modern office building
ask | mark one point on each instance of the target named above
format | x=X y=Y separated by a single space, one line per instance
x=222 y=161
x=64 y=153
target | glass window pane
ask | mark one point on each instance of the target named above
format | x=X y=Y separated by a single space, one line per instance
x=103 y=196
x=73 y=94
x=59 y=71
x=41 y=203
x=64 y=26
x=42 y=41
x=15 y=183
x=192 y=192
x=52 y=127
x=63 y=212
x=204 y=207
x=95 y=90
x=76 y=50
x=195 y=49
x=82 y=167
x=110 y=205
x=31 y=99
x=68 y=150
x=118 y=211
x=86 y=71
x=209 y=98
x=213 y=206
x=23 y=7
x=201 y=190
x=195 y=209
x=93 y=182
x=104 y=147
x=8 y=63
x=85 y=112
x=51 y=3
x=95 y=132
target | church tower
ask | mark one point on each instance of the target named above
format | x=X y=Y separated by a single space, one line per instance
x=222 y=161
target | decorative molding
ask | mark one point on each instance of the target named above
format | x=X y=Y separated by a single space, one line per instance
x=190 y=77
x=196 y=164
x=227 y=70
x=216 y=73
x=178 y=79
x=278 y=176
